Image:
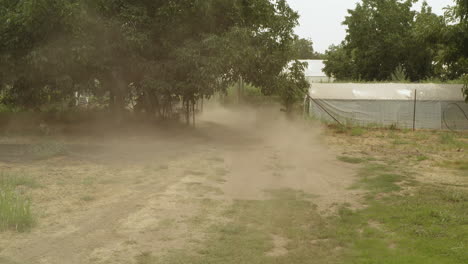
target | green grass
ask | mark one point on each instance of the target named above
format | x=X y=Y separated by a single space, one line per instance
x=15 y=179
x=379 y=178
x=352 y=160
x=15 y=210
x=400 y=142
x=430 y=226
x=87 y=198
x=461 y=165
x=422 y=158
x=357 y=131
x=88 y=181
x=451 y=140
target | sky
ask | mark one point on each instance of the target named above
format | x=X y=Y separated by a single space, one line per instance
x=321 y=20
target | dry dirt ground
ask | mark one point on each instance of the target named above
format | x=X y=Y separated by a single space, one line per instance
x=110 y=198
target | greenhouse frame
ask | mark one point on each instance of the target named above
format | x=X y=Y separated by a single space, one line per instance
x=418 y=106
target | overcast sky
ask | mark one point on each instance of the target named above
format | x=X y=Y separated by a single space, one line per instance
x=321 y=20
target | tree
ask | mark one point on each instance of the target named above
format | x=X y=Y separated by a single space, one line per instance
x=292 y=85
x=423 y=45
x=377 y=32
x=150 y=54
x=383 y=36
x=340 y=63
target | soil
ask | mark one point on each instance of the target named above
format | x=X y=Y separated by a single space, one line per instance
x=111 y=198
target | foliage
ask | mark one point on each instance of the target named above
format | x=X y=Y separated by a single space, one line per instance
x=465 y=86
x=146 y=55
x=292 y=85
x=399 y=75
x=385 y=37
x=340 y=63
x=304 y=50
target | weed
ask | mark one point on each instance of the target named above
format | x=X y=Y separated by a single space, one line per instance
x=422 y=158
x=447 y=138
x=17 y=179
x=450 y=140
x=352 y=160
x=357 y=131
x=87 y=198
x=15 y=210
x=88 y=181
x=393 y=127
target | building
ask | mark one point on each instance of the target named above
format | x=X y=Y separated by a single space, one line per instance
x=314 y=72
x=424 y=106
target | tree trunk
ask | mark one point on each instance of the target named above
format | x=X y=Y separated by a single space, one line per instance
x=193 y=113
x=187 y=112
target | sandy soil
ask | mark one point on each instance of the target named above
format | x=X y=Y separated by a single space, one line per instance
x=112 y=198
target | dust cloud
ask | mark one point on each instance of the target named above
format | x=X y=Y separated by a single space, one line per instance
x=114 y=194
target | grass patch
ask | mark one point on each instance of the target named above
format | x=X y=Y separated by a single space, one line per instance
x=379 y=178
x=249 y=237
x=422 y=158
x=87 y=198
x=451 y=140
x=400 y=142
x=427 y=227
x=352 y=160
x=15 y=210
x=88 y=181
x=461 y=165
x=357 y=131
x=17 y=179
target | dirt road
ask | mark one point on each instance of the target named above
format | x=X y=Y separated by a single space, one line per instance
x=137 y=199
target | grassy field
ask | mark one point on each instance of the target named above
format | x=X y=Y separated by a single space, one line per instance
x=236 y=193
x=417 y=199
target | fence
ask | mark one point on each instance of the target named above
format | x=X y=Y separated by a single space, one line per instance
x=418 y=106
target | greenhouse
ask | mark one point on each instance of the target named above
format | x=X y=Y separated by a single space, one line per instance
x=419 y=106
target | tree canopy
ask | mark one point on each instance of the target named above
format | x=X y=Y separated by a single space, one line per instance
x=383 y=36
x=304 y=50
x=152 y=52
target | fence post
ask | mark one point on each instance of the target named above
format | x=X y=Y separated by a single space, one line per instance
x=414 y=112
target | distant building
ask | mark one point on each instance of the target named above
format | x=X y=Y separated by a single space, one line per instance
x=314 y=72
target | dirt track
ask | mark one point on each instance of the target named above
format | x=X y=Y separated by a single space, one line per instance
x=113 y=198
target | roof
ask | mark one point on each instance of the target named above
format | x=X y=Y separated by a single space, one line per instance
x=314 y=68
x=387 y=91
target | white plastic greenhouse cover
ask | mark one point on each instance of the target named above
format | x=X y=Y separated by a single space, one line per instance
x=386 y=91
x=314 y=68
